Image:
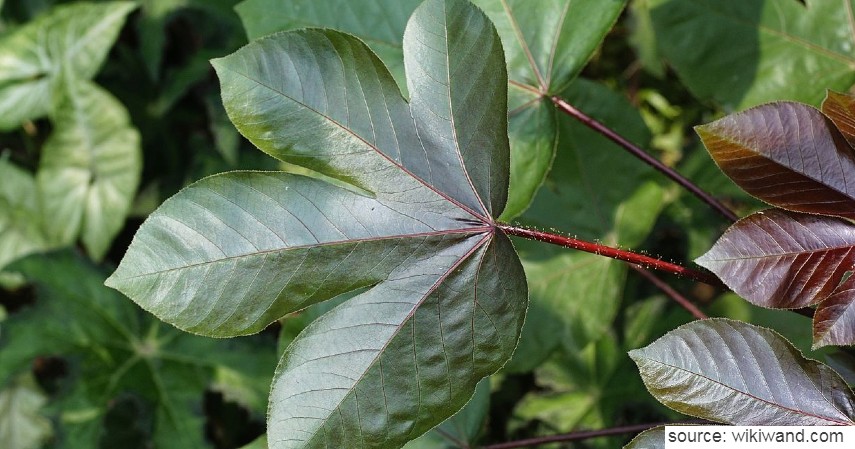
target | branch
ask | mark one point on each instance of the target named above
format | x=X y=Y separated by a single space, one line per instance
x=670 y=292
x=614 y=253
x=573 y=436
x=588 y=121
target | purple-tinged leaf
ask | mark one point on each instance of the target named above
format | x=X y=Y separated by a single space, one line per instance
x=834 y=321
x=782 y=259
x=787 y=154
x=738 y=373
x=840 y=108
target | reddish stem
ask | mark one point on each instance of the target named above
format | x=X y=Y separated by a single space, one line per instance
x=670 y=292
x=574 y=436
x=590 y=122
x=614 y=253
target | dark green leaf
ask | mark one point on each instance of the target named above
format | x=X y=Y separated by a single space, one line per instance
x=743 y=53
x=737 y=373
x=90 y=168
x=461 y=430
x=788 y=155
x=408 y=219
x=70 y=42
x=113 y=349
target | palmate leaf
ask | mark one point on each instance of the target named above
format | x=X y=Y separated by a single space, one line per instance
x=545 y=48
x=69 y=42
x=738 y=373
x=408 y=219
x=743 y=53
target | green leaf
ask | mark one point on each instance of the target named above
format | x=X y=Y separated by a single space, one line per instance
x=114 y=350
x=461 y=430
x=70 y=42
x=90 y=168
x=737 y=373
x=649 y=439
x=21 y=424
x=380 y=23
x=745 y=53
x=409 y=219
x=20 y=214
x=545 y=48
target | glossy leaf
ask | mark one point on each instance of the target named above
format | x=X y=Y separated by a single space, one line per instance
x=840 y=108
x=834 y=321
x=70 y=42
x=461 y=430
x=745 y=53
x=738 y=373
x=545 y=48
x=90 y=168
x=783 y=259
x=788 y=155
x=21 y=223
x=21 y=424
x=649 y=439
x=116 y=351
x=407 y=217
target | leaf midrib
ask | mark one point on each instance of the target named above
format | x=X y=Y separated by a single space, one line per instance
x=460 y=231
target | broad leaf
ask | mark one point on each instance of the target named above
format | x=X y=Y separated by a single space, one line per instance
x=649 y=439
x=783 y=259
x=90 y=168
x=408 y=217
x=743 y=53
x=21 y=231
x=21 y=424
x=69 y=42
x=738 y=373
x=545 y=48
x=788 y=155
x=834 y=321
x=113 y=350
x=840 y=108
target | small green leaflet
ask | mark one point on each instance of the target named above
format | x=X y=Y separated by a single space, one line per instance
x=409 y=219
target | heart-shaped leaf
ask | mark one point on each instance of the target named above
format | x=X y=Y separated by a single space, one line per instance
x=90 y=168
x=71 y=41
x=407 y=218
x=787 y=154
x=545 y=47
x=745 y=53
x=738 y=373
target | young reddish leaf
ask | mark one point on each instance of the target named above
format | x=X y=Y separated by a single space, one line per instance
x=409 y=221
x=840 y=108
x=834 y=321
x=783 y=259
x=738 y=373
x=787 y=154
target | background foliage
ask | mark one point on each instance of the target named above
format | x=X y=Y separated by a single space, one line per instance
x=109 y=108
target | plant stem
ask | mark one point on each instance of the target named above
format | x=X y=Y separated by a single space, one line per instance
x=670 y=292
x=573 y=436
x=614 y=253
x=590 y=122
